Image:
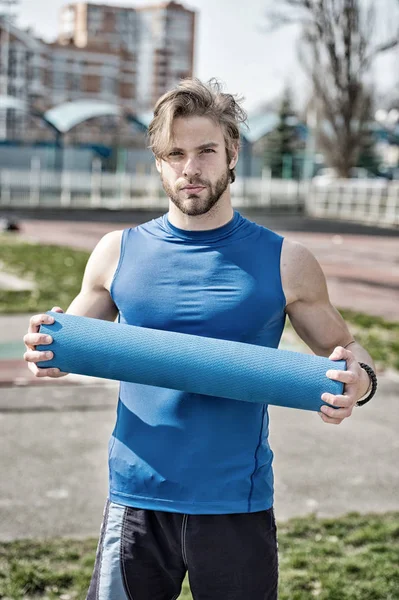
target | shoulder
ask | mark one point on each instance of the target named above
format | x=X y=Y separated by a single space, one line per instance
x=104 y=258
x=109 y=243
x=294 y=254
x=112 y=238
x=301 y=273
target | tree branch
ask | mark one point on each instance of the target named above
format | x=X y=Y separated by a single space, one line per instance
x=336 y=51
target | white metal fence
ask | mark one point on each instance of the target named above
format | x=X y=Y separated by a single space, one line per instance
x=373 y=202
x=121 y=191
x=367 y=201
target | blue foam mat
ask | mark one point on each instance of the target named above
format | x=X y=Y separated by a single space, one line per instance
x=189 y=363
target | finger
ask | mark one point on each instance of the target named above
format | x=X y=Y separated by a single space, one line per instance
x=336 y=413
x=50 y=372
x=34 y=339
x=35 y=356
x=339 y=353
x=339 y=401
x=57 y=309
x=342 y=376
x=329 y=419
x=37 y=320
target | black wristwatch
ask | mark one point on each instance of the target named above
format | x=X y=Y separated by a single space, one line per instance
x=373 y=381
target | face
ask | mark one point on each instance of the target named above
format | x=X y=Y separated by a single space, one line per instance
x=196 y=173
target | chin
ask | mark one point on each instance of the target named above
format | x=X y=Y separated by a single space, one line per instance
x=197 y=209
x=194 y=203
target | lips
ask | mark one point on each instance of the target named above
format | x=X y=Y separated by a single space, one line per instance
x=193 y=188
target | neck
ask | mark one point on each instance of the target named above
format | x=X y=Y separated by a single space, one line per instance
x=219 y=215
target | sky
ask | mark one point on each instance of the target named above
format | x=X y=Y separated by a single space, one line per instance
x=232 y=45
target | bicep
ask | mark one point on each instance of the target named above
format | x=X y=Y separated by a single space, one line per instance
x=309 y=308
x=94 y=303
x=94 y=299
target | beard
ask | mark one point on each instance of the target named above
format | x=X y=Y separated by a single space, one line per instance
x=195 y=205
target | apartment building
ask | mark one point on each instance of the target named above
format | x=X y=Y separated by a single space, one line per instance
x=122 y=55
x=100 y=25
x=45 y=75
x=23 y=60
x=90 y=73
x=161 y=37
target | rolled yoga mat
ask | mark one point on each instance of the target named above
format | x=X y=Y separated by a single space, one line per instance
x=189 y=363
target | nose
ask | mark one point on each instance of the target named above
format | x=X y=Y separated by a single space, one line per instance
x=191 y=168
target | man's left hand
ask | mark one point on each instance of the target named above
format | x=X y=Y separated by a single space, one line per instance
x=356 y=382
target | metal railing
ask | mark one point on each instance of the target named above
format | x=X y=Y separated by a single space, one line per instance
x=121 y=191
x=366 y=201
x=374 y=202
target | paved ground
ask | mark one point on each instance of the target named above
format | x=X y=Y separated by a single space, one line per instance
x=53 y=450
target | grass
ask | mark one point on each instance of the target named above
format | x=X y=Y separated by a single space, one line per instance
x=380 y=337
x=350 y=558
x=57 y=272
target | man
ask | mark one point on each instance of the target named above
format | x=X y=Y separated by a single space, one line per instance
x=191 y=482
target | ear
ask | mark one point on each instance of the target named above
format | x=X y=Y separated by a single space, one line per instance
x=234 y=156
x=158 y=164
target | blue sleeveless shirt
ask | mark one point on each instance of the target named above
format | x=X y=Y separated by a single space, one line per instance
x=189 y=453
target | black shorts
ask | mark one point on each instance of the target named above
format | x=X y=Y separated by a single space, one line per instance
x=145 y=555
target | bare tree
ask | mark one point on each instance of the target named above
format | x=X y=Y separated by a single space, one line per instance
x=337 y=48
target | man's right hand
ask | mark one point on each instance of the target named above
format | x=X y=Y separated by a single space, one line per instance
x=33 y=338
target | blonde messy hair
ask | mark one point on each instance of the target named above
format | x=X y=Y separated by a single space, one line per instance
x=190 y=98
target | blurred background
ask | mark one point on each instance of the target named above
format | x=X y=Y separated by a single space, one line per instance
x=320 y=83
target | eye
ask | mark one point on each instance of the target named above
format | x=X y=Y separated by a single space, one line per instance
x=208 y=150
x=175 y=153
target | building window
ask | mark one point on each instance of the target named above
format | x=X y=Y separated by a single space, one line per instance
x=58 y=80
x=36 y=73
x=59 y=66
x=95 y=19
x=108 y=85
x=74 y=81
x=12 y=62
x=122 y=23
x=12 y=119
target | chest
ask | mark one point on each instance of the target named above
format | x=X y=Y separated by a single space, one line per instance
x=222 y=293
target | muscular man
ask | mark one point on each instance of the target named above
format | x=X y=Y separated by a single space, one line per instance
x=191 y=482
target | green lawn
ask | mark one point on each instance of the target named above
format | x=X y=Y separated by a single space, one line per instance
x=351 y=558
x=58 y=273
x=380 y=337
x=56 y=270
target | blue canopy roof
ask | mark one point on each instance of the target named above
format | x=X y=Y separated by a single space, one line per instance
x=66 y=116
